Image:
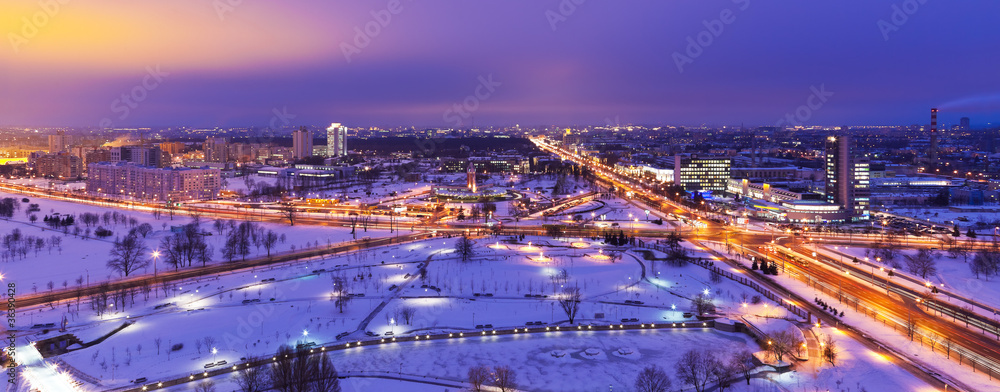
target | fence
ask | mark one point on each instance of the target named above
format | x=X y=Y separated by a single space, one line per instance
x=360 y=344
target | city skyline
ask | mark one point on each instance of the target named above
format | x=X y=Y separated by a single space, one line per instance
x=530 y=63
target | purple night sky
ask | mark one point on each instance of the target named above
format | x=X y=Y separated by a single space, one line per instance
x=605 y=60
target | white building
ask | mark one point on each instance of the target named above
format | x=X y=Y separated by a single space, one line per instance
x=136 y=182
x=336 y=140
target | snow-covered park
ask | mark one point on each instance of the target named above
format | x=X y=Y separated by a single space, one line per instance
x=177 y=329
x=174 y=330
x=70 y=256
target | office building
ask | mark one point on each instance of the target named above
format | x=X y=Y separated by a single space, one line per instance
x=302 y=143
x=60 y=142
x=336 y=141
x=847 y=177
x=132 y=181
x=702 y=173
x=964 y=123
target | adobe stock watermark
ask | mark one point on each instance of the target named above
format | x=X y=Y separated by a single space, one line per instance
x=460 y=111
x=130 y=100
x=713 y=29
x=223 y=7
x=901 y=14
x=371 y=30
x=803 y=113
x=613 y=122
x=562 y=12
x=31 y=26
x=281 y=116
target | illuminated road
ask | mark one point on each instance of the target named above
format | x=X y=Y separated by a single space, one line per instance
x=981 y=348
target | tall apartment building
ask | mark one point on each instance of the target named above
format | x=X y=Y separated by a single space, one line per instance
x=60 y=142
x=336 y=141
x=143 y=156
x=702 y=172
x=302 y=143
x=150 y=183
x=216 y=149
x=61 y=165
x=847 y=177
x=97 y=155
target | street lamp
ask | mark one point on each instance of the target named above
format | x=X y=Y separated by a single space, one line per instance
x=156 y=256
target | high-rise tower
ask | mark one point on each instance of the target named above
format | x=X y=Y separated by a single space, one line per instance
x=302 y=143
x=336 y=140
x=847 y=177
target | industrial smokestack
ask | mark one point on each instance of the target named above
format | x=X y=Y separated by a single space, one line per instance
x=934 y=141
x=934 y=120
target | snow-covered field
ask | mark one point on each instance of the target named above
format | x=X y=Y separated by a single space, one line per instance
x=303 y=309
x=241 y=314
x=85 y=259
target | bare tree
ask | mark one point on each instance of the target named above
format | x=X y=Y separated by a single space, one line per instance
x=354 y=217
x=783 y=343
x=475 y=212
x=465 y=248
x=326 y=377
x=209 y=342
x=652 y=379
x=341 y=291
x=693 y=368
x=743 y=362
x=921 y=263
x=407 y=313
x=268 y=240
x=289 y=212
x=239 y=241
x=282 y=372
x=503 y=378
x=128 y=255
x=144 y=229
x=205 y=386
x=158 y=342
x=251 y=378
x=703 y=304
x=720 y=371
x=219 y=225
x=478 y=376
x=910 y=325
x=986 y=261
x=829 y=350
x=570 y=302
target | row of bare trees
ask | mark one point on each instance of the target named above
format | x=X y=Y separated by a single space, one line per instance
x=500 y=377
x=185 y=247
x=290 y=371
x=700 y=369
x=17 y=245
x=248 y=234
